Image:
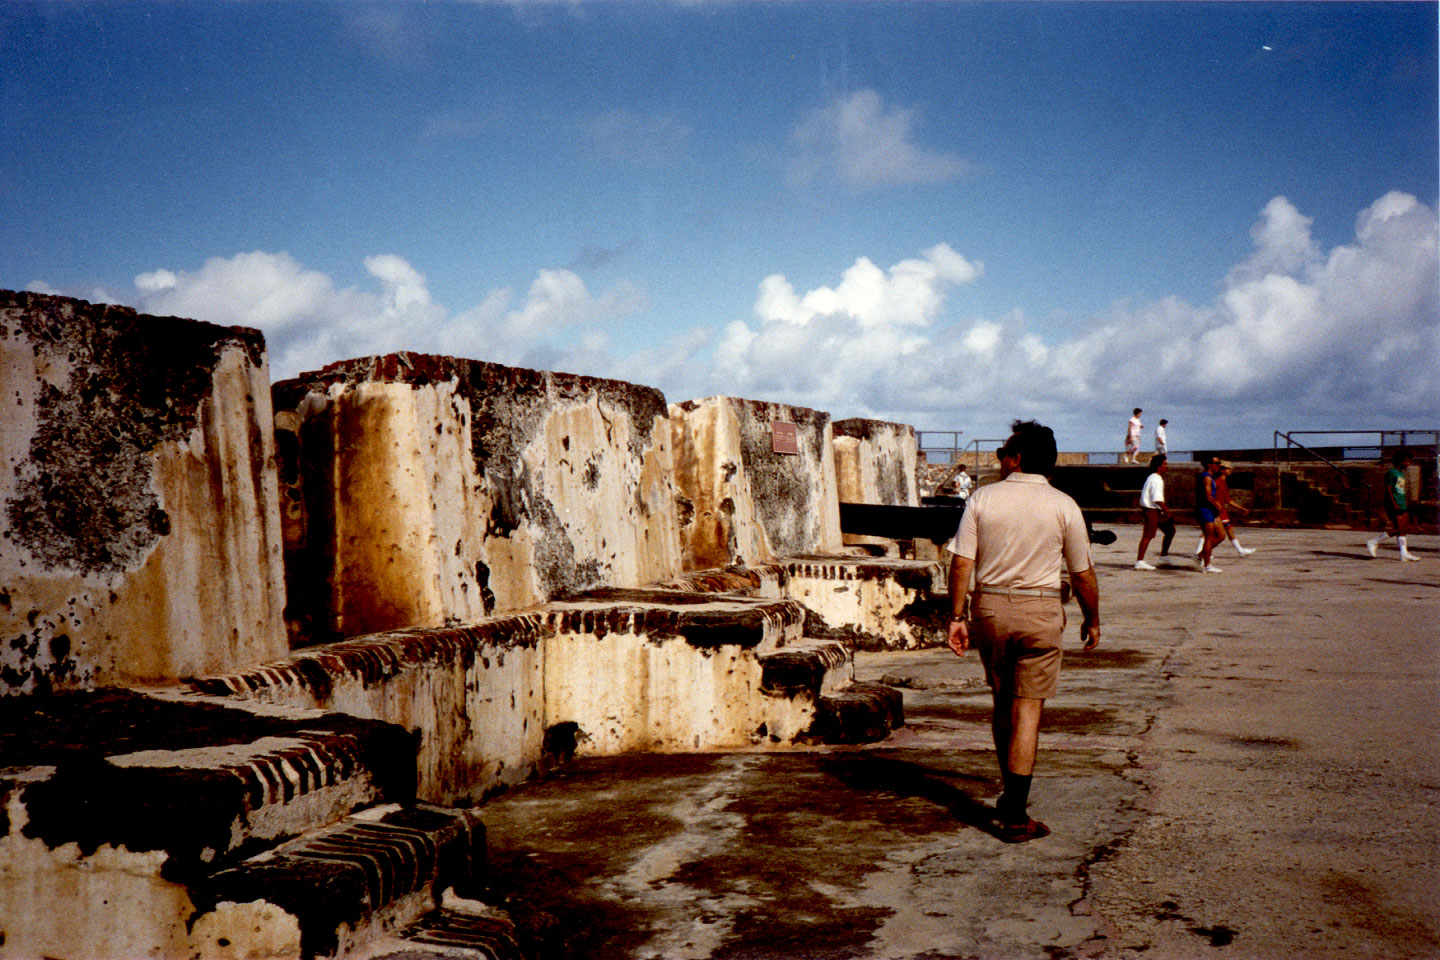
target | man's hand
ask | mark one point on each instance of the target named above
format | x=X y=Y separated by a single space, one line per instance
x=959 y=637
x=1087 y=592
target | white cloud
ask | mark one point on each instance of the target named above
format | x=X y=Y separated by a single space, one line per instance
x=1297 y=335
x=308 y=322
x=860 y=142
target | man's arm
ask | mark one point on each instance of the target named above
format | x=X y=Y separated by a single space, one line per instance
x=958 y=636
x=1087 y=594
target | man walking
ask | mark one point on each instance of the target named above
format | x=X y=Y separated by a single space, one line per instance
x=1162 y=443
x=1132 y=437
x=1012 y=539
x=1397 y=507
x=1157 y=515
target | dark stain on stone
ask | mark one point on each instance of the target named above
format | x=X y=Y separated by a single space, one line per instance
x=83 y=496
x=1219 y=935
x=482 y=577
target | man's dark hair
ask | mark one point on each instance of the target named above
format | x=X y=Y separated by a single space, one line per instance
x=1034 y=444
x=1156 y=462
x=1399 y=455
x=1163 y=421
x=1137 y=410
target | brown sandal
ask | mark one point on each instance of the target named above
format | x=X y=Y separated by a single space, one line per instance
x=1021 y=832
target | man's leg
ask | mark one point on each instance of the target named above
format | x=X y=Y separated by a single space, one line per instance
x=1167 y=527
x=1146 y=535
x=1016 y=748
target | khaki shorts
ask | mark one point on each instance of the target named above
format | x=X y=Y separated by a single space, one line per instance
x=1019 y=642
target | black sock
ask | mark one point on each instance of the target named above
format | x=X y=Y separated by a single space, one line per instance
x=1012 y=803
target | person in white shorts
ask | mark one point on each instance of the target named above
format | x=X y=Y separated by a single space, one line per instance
x=1132 y=438
x=1162 y=445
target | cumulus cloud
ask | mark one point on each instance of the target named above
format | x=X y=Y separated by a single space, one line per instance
x=860 y=142
x=309 y=322
x=1295 y=336
x=824 y=346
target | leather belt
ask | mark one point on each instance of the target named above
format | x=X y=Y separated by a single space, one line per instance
x=1020 y=591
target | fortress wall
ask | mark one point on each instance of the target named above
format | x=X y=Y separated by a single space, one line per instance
x=141 y=540
x=741 y=501
x=425 y=490
x=876 y=462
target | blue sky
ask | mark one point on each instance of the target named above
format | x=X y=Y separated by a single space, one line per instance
x=940 y=213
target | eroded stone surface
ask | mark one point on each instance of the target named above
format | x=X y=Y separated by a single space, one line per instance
x=426 y=490
x=141 y=540
x=743 y=503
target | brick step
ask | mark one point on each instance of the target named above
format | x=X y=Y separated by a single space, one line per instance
x=860 y=713
x=460 y=930
x=331 y=891
x=701 y=619
x=818 y=701
x=813 y=667
x=202 y=783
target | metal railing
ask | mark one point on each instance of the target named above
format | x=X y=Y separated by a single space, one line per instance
x=927 y=446
x=1383 y=438
x=976 y=445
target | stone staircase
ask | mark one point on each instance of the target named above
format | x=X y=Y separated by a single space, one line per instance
x=325 y=805
x=167 y=824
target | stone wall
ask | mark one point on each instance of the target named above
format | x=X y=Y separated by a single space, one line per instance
x=423 y=490
x=741 y=501
x=876 y=462
x=141 y=538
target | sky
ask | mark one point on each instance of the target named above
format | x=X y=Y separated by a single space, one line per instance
x=944 y=214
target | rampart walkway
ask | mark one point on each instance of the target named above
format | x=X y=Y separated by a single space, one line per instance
x=1246 y=767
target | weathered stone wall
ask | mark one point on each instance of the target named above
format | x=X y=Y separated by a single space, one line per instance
x=743 y=503
x=876 y=462
x=424 y=490
x=141 y=539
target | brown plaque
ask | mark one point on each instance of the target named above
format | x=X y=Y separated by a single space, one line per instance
x=783 y=437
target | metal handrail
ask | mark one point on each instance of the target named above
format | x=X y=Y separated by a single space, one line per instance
x=976 y=444
x=1379 y=435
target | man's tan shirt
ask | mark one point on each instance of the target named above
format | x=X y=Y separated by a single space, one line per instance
x=1018 y=530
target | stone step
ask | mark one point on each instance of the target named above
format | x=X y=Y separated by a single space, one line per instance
x=860 y=713
x=201 y=783
x=701 y=619
x=814 y=667
x=333 y=890
x=460 y=930
x=656 y=670
x=870 y=603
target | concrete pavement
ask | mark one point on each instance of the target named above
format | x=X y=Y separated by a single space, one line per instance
x=1244 y=768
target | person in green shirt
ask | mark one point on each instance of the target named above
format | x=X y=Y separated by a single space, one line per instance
x=1397 y=507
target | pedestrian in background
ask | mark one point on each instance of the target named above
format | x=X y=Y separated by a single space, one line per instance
x=1397 y=507
x=1133 y=430
x=1207 y=513
x=1162 y=445
x=1157 y=515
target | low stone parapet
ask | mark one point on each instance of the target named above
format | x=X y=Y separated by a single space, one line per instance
x=475 y=694
x=873 y=603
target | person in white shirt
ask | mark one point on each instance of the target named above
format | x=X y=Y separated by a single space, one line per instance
x=1157 y=515
x=1161 y=444
x=1132 y=438
x=963 y=483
